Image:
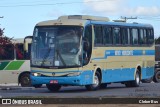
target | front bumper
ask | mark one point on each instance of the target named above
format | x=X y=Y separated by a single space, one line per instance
x=84 y=78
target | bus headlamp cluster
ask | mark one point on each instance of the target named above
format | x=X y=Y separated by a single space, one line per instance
x=74 y=74
x=36 y=74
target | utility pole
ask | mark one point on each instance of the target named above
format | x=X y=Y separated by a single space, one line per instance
x=126 y=18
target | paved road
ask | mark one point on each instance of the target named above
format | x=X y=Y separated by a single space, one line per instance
x=113 y=90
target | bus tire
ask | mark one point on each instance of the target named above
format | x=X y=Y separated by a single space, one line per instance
x=97 y=82
x=53 y=87
x=156 y=77
x=37 y=86
x=134 y=83
x=25 y=80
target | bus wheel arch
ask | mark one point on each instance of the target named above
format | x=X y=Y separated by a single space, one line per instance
x=99 y=70
x=137 y=78
x=97 y=78
x=102 y=85
x=24 y=79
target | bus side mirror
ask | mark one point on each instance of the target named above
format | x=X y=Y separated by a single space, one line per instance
x=26 y=46
x=27 y=41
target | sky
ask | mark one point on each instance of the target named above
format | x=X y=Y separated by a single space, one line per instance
x=20 y=17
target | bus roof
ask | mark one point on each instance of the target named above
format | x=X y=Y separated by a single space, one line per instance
x=82 y=20
x=123 y=24
x=72 y=20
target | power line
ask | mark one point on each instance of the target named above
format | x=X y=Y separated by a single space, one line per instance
x=62 y=3
x=14 y=3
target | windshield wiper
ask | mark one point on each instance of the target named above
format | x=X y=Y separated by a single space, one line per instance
x=59 y=54
x=45 y=57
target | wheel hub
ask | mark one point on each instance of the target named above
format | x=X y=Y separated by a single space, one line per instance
x=137 y=78
x=96 y=81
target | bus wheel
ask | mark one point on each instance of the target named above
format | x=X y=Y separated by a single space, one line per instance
x=96 y=84
x=37 y=86
x=53 y=87
x=25 y=80
x=134 y=83
x=156 y=77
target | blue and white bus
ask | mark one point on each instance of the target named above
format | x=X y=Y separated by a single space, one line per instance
x=91 y=51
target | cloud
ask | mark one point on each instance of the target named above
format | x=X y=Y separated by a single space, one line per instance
x=141 y=10
x=104 y=6
x=119 y=7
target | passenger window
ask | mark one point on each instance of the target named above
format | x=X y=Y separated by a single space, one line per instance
x=87 y=44
x=135 y=36
x=107 y=35
x=19 y=51
x=98 y=35
x=145 y=36
x=150 y=36
x=126 y=36
x=88 y=34
x=141 y=35
x=116 y=36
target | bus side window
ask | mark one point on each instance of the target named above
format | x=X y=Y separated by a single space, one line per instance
x=150 y=36
x=107 y=39
x=116 y=36
x=87 y=44
x=98 y=35
x=135 y=36
x=19 y=51
x=145 y=36
x=88 y=34
x=27 y=54
x=141 y=36
x=125 y=36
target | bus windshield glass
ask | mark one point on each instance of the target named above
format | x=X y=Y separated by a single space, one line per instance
x=57 y=46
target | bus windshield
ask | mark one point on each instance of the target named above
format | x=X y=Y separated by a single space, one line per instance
x=56 y=46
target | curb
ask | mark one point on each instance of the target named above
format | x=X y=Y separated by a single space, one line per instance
x=16 y=88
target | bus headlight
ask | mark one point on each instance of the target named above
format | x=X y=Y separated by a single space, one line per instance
x=74 y=74
x=36 y=74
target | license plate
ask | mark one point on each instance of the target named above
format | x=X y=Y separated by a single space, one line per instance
x=54 y=82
